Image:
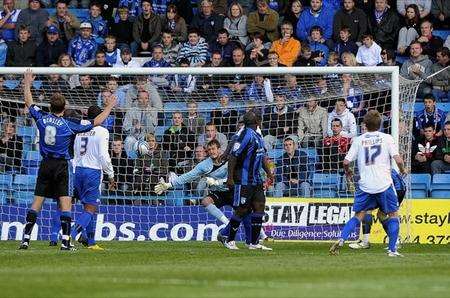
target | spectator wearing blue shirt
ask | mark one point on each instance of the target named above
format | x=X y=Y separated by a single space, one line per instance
x=207 y=21
x=83 y=47
x=316 y=15
x=430 y=115
x=319 y=51
x=99 y=25
x=158 y=61
x=112 y=53
x=8 y=20
x=344 y=43
x=354 y=96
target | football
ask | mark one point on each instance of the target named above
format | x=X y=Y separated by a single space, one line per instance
x=142 y=148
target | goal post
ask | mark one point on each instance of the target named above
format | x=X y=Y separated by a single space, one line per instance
x=147 y=143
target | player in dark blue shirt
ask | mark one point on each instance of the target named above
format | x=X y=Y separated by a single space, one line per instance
x=247 y=158
x=56 y=137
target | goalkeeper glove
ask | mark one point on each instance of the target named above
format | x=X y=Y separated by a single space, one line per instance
x=162 y=186
x=213 y=182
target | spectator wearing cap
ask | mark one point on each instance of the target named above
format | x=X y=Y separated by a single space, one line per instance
x=126 y=60
x=122 y=29
x=83 y=47
x=264 y=21
x=316 y=15
x=440 y=82
x=99 y=25
x=207 y=21
x=225 y=117
x=21 y=52
x=287 y=48
x=369 y=54
x=50 y=49
x=8 y=20
x=67 y=23
x=146 y=29
x=34 y=17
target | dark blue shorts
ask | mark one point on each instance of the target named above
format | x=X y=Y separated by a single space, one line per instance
x=386 y=201
x=87 y=185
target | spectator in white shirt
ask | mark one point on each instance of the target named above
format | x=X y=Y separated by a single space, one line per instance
x=369 y=54
x=126 y=59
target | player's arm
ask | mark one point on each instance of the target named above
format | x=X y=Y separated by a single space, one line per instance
x=28 y=79
x=106 y=111
x=267 y=168
x=105 y=158
x=401 y=165
x=351 y=156
x=393 y=151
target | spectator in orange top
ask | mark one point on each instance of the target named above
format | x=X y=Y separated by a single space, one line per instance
x=287 y=47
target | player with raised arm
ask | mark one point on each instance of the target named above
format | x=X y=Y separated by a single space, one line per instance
x=246 y=160
x=91 y=157
x=55 y=177
x=373 y=150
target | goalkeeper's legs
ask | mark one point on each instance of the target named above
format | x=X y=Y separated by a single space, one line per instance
x=212 y=209
x=31 y=221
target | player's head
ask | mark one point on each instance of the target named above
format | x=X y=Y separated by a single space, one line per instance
x=250 y=119
x=428 y=131
x=213 y=148
x=372 y=120
x=57 y=103
x=93 y=111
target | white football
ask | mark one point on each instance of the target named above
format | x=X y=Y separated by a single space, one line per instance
x=142 y=148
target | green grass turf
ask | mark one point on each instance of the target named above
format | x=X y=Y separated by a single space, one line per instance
x=202 y=269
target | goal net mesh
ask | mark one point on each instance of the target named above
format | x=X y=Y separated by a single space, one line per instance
x=161 y=125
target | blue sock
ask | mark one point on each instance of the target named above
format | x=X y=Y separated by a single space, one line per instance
x=81 y=224
x=367 y=223
x=247 y=222
x=393 y=227
x=383 y=223
x=225 y=231
x=90 y=232
x=56 y=225
x=349 y=227
x=66 y=220
x=235 y=222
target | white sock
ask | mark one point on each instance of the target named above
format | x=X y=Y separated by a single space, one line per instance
x=214 y=211
x=263 y=234
x=365 y=238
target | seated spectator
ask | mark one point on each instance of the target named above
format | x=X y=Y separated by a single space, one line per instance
x=86 y=90
x=194 y=122
x=112 y=53
x=66 y=61
x=384 y=25
x=293 y=13
x=441 y=163
x=409 y=32
x=319 y=51
x=348 y=59
x=195 y=50
x=142 y=84
x=123 y=167
x=50 y=49
x=66 y=22
x=354 y=96
x=417 y=67
x=157 y=61
x=149 y=168
x=291 y=88
x=335 y=147
x=119 y=92
x=430 y=43
x=316 y=15
x=174 y=23
x=8 y=20
x=369 y=54
x=99 y=61
x=277 y=122
x=344 y=44
x=10 y=147
x=209 y=84
x=133 y=6
x=424 y=7
x=447 y=42
x=305 y=58
x=273 y=60
x=353 y=19
x=287 y=48
x=23 y=51
x=440 y=11
x=126 y=60
x=333 y=61
x=440 y=81
x=260 y=90
x=424 y=150
x=183 y=82
x=54 y=84
x=211 y=133
x=291 y=172
x=342 y=113
x=312 y=123
x=140 y=120
x=257 y=50
x=236 y=24
x=169 y=47
x=179 y=144
x=263 y=21
x=388 y=58
x=207 y=22
x=83 y=47
x=225 y=117
x=146 y=29
x=34 y=17
x=99 y=25
x=224 y=45
x=122 y=28
x=430 y=115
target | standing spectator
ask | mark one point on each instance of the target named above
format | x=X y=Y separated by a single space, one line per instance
x=417 y=67
x=126 y=60
x=440 y=11
x=10 y=147
x=112 y=53
x=174 y=23
x=319 y=51
x=423 y=5
x=146 y=29
x=195 y=50
x=211 y=133
x=408 y=33
x=34 y=17
x=224 y=45
x=316 y=15
x=287 y=48
x=347 y=119
x=344 y=43
x=293 y=13
x=66 y=22
x=236 y=24
x=424 y=150
x=170 y=48
x=352 y=18
x=207 y=22
x=8 y=20
x=83 y=47
x=194 y=122
x=263 y=21
x=312 y=123
x=99 y=25
x=122 y=28
x=292 y=173
x=441 y=81
x=335 y=147
x=430 y=115
x=429 y=42
x=384 y=25
x=442 y=162
x=23 y=51
x=369 y=54
x=50 y=49
x=225 y=117
x=257 y=51
x=123 y=167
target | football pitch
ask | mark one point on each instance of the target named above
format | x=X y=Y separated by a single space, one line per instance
x=206 y=269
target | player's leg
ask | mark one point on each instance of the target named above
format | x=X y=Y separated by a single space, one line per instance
x=366 y=227
x=388 y=202
x=90 y=232
x=56 y=225
x=258 y=204
x=66 y=221
x=84 y=220
x=210 y=206
x=31 y=221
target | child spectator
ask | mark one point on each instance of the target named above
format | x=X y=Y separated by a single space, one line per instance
x=112 y=52
x=369 y=54
x=122 y=28
x=319 y=50
x=257 y=50
x=99 y=25
x=305 y=58
x=345 y=44
x=170 y=48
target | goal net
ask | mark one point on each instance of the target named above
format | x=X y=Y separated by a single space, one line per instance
x=165 y=117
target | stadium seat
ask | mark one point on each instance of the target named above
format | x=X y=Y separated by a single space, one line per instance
x=441 y=182
x=5 y=181
x=442 y=34
x=420 y=185
x=441 y=193
x=31 y=159
x=24 y=182
x=23 y=197
x=275 y=154
x=3 y=197
x=325 y=185
x=325 y=193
